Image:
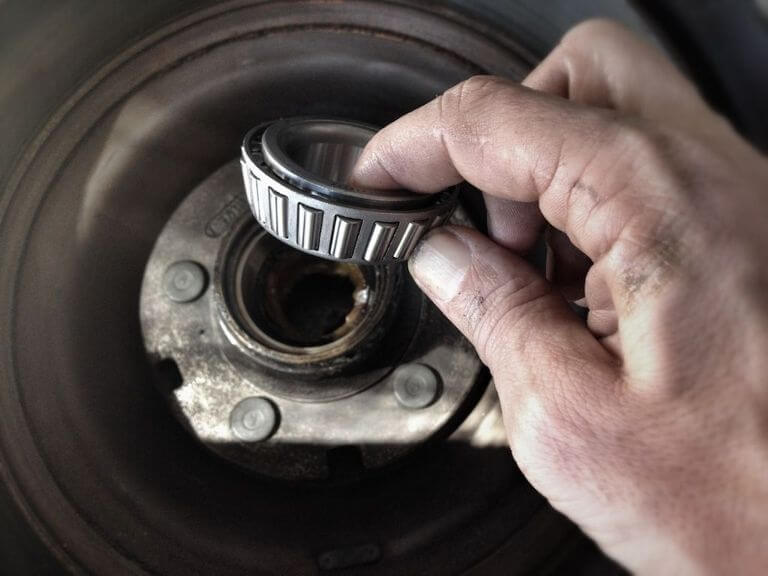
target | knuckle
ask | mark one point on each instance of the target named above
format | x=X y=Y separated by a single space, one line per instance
x=670 y=169
x=639 y=138
x=658 y=149
x=583 y=35
x=644 y=264
x=472 y=93
x=658 y=161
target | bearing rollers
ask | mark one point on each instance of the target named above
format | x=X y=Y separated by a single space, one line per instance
x=296 y=174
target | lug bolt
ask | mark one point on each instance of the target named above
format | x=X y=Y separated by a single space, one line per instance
x=184 y=281
x=253 y=419
x=416 y=386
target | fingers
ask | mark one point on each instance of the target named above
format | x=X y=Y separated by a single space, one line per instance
x=566 y=266
x=517 y=144
x=486 y=130
x=514 y=225
x=600 y=176
x=518 y=324
x=601 y=63
x=598 y=63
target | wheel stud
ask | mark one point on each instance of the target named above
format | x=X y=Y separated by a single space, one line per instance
x=184 y=281
x=253 y=419
x=416 y=386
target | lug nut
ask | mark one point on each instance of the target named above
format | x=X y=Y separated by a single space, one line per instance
x=184 y=281
x=416 y=386
x=253 y=419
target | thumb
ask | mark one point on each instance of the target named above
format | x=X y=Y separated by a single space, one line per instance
x=521 y=327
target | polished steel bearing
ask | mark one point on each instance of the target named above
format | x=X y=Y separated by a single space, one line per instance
x=296 y=172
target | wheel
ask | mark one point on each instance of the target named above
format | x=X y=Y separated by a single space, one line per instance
x=120 y=131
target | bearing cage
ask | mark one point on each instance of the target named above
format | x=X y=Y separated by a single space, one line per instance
x=332 y=228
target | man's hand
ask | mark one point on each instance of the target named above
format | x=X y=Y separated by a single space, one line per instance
x=649 y=425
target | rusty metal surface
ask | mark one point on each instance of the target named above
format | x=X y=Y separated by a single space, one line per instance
x=324 y=399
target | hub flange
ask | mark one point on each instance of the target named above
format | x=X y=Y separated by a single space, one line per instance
x=314 y=341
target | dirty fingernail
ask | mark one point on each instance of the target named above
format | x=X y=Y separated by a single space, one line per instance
x=440 y=263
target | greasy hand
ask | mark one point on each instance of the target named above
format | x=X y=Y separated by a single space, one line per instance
x=648 y=426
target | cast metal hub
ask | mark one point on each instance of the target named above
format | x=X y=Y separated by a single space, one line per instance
x=276 y=359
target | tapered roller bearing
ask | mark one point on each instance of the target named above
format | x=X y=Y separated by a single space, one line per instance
x=296 y=173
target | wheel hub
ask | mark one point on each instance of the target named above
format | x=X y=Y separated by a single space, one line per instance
x=308 y=344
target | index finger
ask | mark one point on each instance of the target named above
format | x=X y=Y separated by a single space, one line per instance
x=512 y=142
x=602 y=63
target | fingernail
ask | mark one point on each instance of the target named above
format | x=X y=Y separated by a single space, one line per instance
x=440 y=263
